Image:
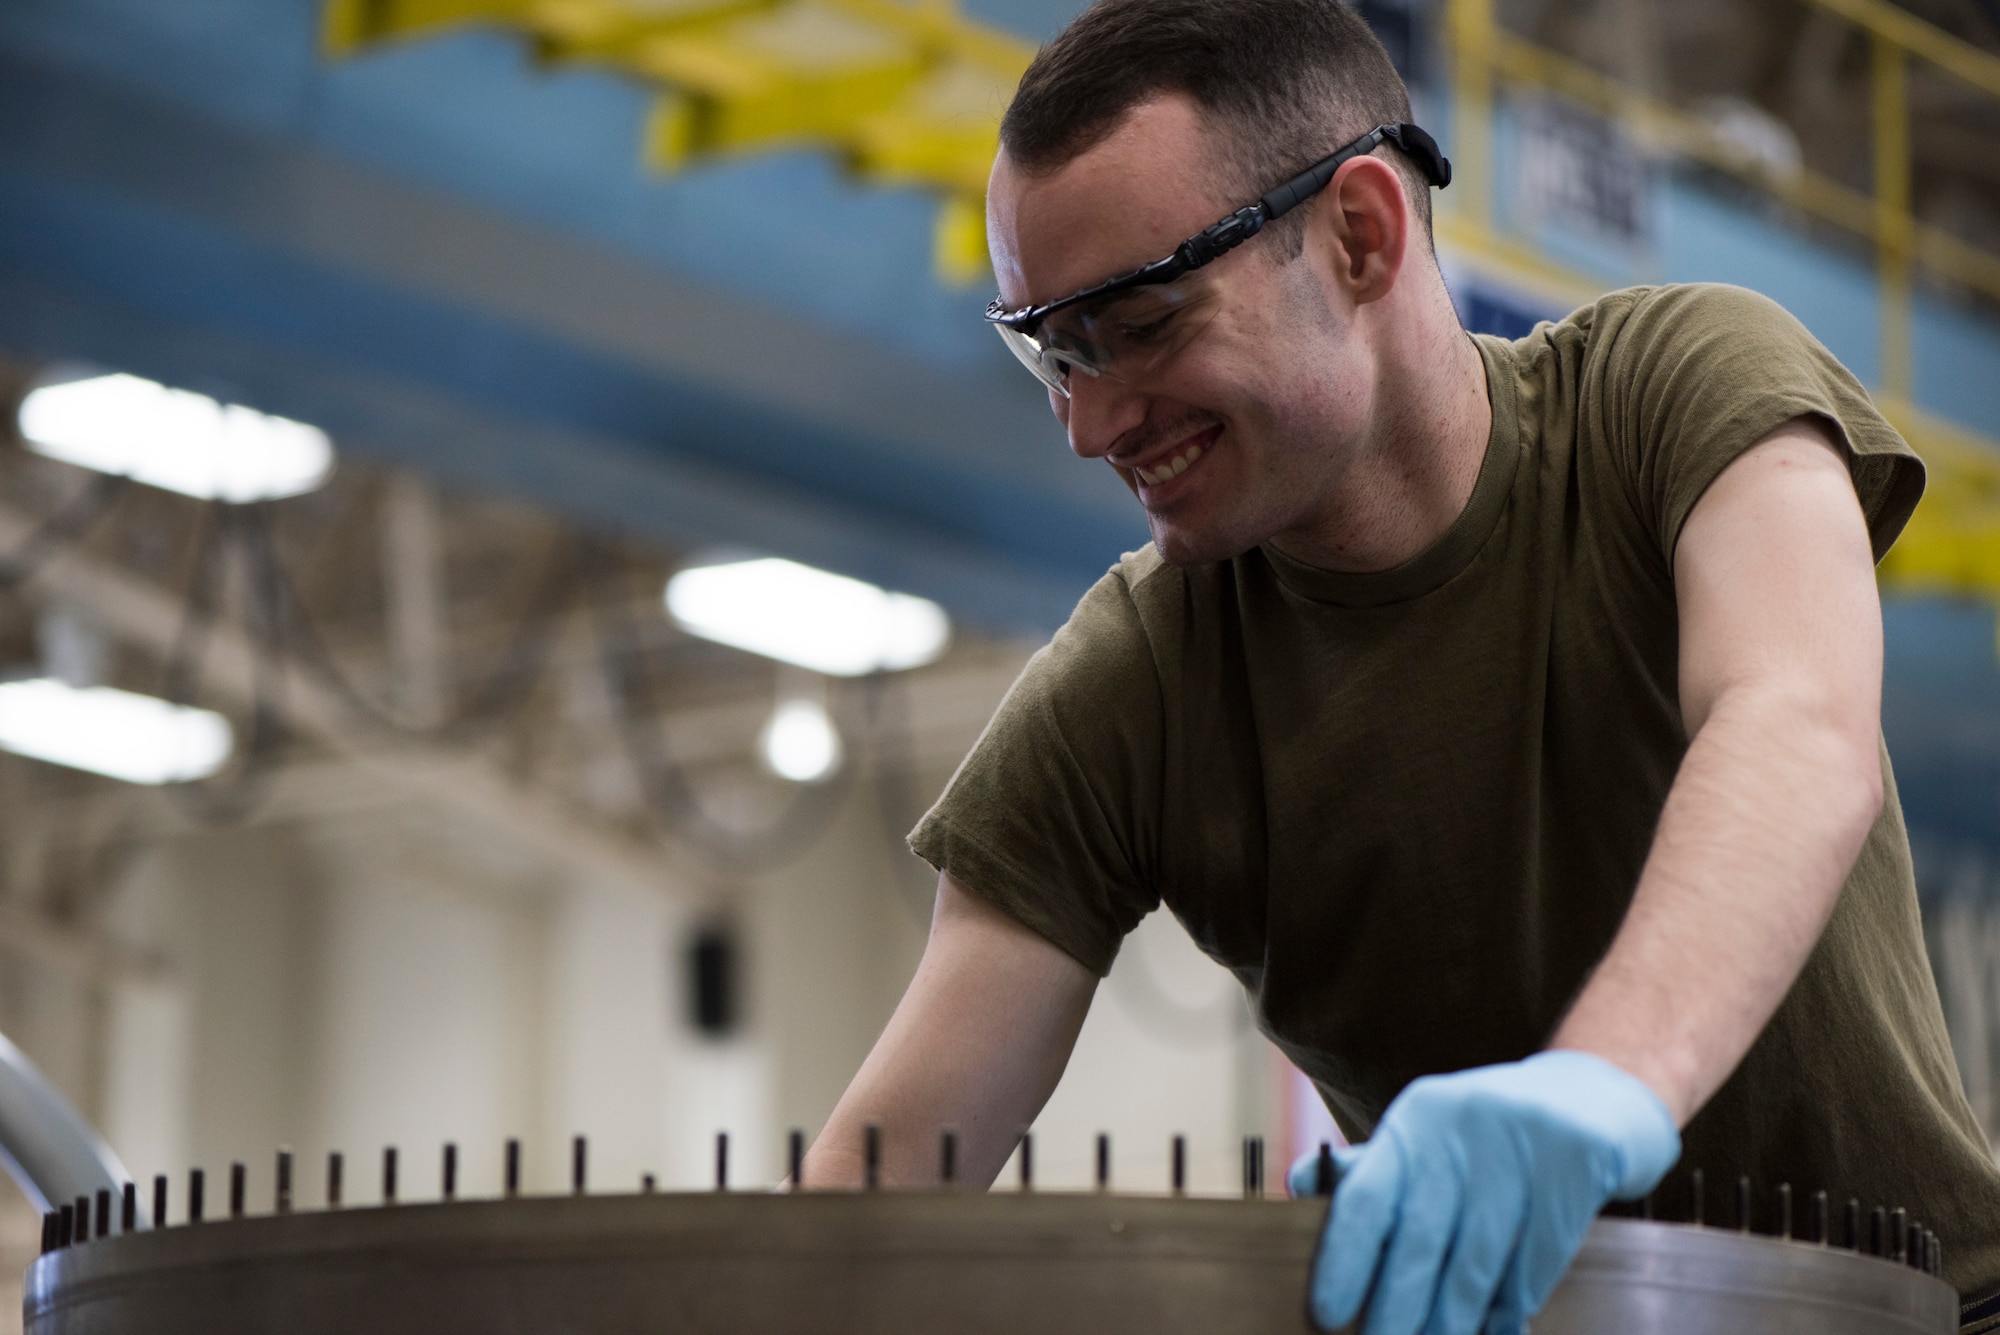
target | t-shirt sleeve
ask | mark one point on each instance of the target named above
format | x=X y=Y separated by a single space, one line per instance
x=1053 y=815
x=1695 y=375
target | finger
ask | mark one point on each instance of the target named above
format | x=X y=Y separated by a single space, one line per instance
x=1299 y=1177
x=1511 y=1310
x=1488 y=1236
x=1506 y=1318
x=1551 y=1236
x=1364 y=1212
x=1406 y=1291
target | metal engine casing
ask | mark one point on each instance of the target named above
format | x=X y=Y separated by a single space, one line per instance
x=863 y=1263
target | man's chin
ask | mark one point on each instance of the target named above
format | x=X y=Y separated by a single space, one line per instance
x=1182 y=546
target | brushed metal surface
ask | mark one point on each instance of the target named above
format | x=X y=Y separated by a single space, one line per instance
x=833 y=1264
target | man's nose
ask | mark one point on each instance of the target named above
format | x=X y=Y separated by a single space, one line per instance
x=1098 y=412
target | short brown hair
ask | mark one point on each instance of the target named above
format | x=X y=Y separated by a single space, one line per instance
x=1282 y=82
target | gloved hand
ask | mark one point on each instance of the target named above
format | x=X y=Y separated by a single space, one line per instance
x=1468 y=1203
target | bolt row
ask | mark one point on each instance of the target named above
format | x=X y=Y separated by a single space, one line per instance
x=87 y=1218
x=1890 y=1234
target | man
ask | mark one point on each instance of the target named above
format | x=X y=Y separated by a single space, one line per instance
x=1504 y=715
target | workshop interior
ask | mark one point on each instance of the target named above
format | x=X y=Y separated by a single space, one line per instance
x=510 y=512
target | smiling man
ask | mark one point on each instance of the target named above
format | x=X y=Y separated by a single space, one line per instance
x=1504 y=715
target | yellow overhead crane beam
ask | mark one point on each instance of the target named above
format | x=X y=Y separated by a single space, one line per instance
x=905 y=94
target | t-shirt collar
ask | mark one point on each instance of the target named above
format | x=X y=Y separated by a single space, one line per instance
x=1435 y=566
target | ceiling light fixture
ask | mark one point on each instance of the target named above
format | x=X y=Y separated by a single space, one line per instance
x=812 y=618
x=136 y=738
x=800 y=742
x=175 y=439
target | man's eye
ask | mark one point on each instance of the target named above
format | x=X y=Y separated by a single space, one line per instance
x=1148 y=331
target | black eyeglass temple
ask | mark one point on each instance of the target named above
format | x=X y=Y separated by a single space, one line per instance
x=1412 y=139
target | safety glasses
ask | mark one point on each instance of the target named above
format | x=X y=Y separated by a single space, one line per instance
x=1125 y=327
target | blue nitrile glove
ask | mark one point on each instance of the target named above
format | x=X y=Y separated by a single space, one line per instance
x=1468 y=1203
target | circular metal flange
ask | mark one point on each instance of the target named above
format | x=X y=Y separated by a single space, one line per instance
x=849 y=1264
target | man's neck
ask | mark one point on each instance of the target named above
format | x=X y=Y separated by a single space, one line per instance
x=1420 y=456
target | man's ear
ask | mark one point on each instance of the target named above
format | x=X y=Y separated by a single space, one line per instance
x=1370 y=219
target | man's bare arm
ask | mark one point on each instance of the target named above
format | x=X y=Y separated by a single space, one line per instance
x=1780 y=681
x=976 y=1045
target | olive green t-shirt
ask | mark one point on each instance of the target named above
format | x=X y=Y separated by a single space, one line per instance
x=1408 y=809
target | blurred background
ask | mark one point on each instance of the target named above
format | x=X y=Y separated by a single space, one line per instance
x=508 y=512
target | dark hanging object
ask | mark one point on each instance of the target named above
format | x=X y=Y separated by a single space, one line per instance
x=713 y=971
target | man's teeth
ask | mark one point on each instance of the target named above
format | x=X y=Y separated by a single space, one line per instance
x=1173 y=468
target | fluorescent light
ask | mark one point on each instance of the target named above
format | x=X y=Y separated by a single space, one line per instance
x=832 y=624
x=800 y=742
x=132 y=737
x=174 y=438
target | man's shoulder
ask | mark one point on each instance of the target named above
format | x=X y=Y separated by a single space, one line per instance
x=1160 y=593
x=1659 y=317
x=1140 y=609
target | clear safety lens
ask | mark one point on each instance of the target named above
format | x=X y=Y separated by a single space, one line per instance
x=1125 y=336
x=1032 y=355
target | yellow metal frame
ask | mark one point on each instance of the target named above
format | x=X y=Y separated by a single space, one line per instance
x=904 y=94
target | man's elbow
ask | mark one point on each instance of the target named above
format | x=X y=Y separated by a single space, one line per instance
x=1842 y=747
x=1833 y=744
